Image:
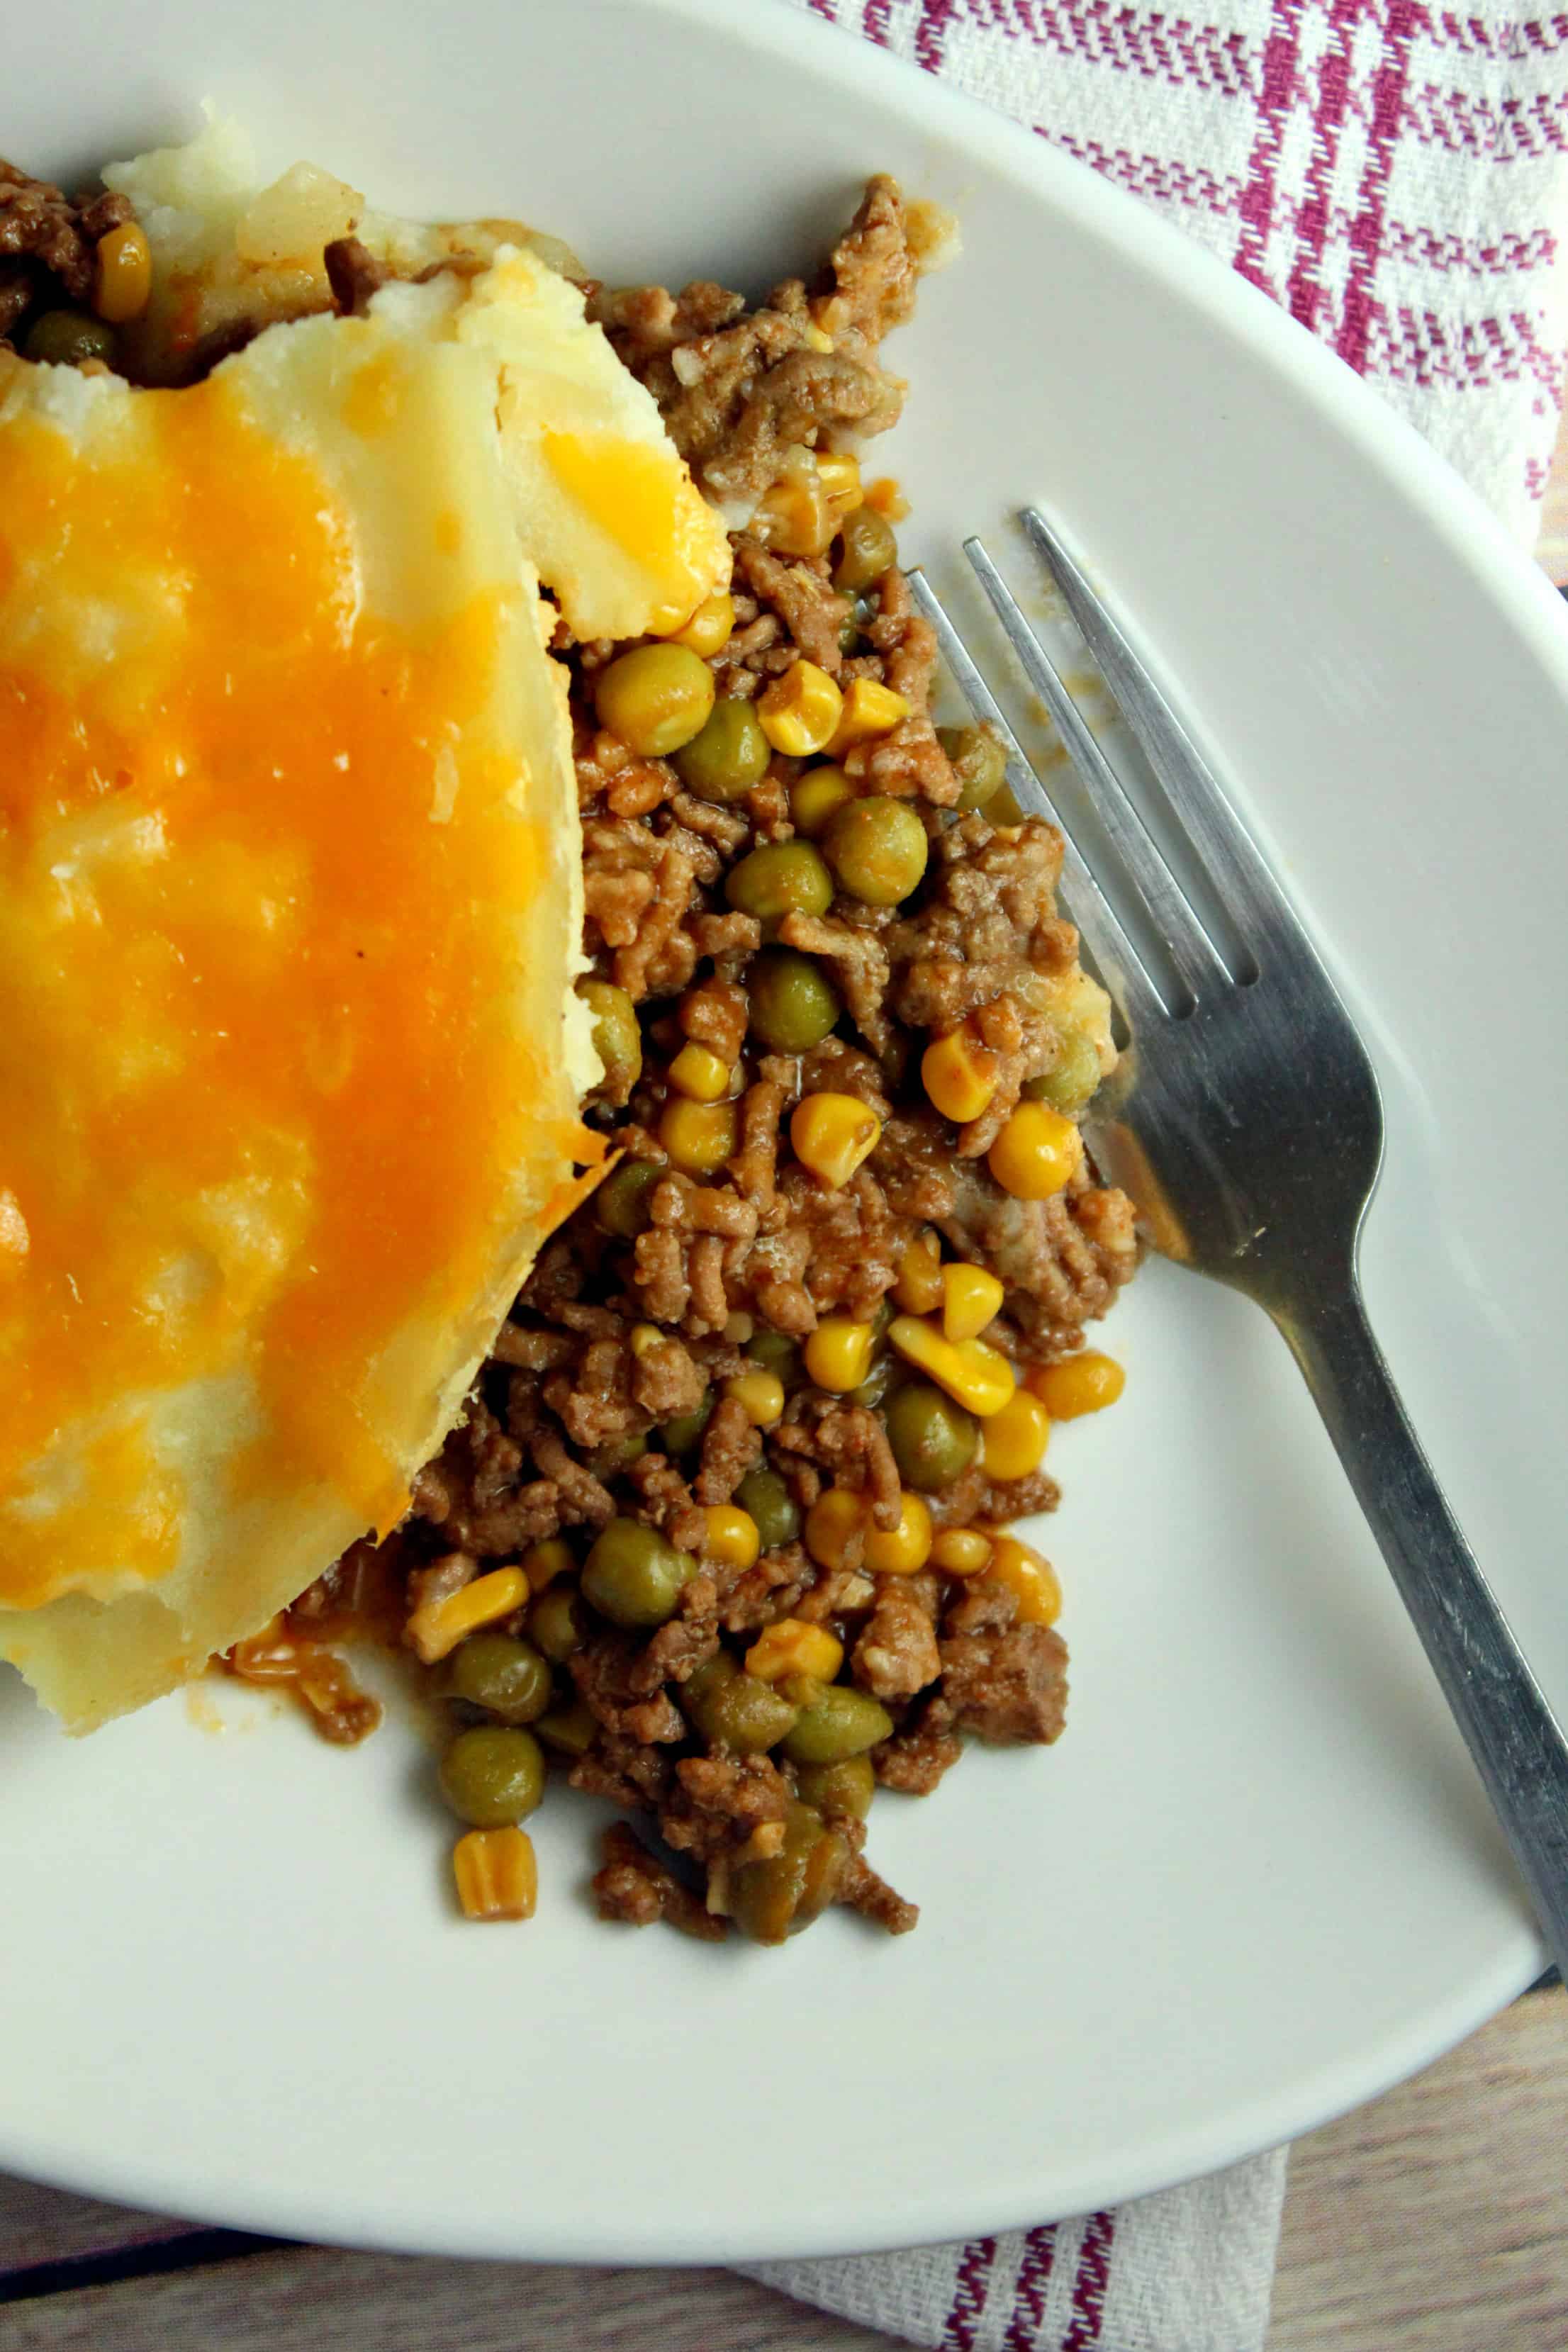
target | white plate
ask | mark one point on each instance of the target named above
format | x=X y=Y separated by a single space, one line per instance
x=1257 y=1881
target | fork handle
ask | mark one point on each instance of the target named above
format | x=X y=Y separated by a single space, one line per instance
x=1509 y=1728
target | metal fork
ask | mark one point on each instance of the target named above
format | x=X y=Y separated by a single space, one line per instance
x=1245 y=1123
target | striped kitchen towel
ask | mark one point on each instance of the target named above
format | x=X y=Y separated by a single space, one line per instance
x=1187 y=2271
x=1396 y=177
x=1395 y=174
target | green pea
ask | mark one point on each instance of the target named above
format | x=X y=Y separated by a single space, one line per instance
x=633 y=1575
x=782 y=877
x=609 y=1461
x=617 y=1037
x=556 y=1623
x=683 y=1434
x=492 y=1775
x=934 y=1440
x=736 y=1710
x=878 y=848
x=793 y=1004
x=1074 y=1077
x=729 y=756
x=511 y=1679
x=656 y=699
x=66 y=338
x=867 y=549
x=623 y=1202
x=840 y=1724
x=777 y=1352
x=874 y=1388
x=851 y=634
x=568 y=1729
x=979 y=761
x=773 y=1898
x=763 y=1494
x=844 y=1788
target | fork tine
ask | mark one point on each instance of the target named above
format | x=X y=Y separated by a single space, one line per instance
x=1188 y=945
x=1122 y=966
x=1199 y=802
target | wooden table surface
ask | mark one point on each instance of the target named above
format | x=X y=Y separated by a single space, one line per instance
x=1434 y=2221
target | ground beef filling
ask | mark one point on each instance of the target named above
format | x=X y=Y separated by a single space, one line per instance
x=611 y=1399
x=48 y=245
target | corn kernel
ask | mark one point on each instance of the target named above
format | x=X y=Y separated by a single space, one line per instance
x=439 y=1626
x=701 y=1073
x=813 y=797
x=839 y=475
x=919 y=1288
x=543 y=1562
x=971 y=1299
x=800 y=710
x=645 y=1338
x=733 y=1536
x=837 y=1354
x=711 y=626
x=836 y=1529
x=817 y=338
x=832 y=1134
x=1085 y=1383
x=793 y=517
x=959 y=1076
x=1013 y=1440
x=975 y=1374
x=791 y=1646
x=699 y=1136
x=496 y=1874
x=1036 y=1153
x=759 y=1394
x=1030 y=1576
x=123 y=274
x=902 y=1550
x=870 y=710
x=960 y=1551
x=886 y=497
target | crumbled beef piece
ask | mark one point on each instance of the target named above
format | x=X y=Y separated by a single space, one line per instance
x=678 y=1649
x=896 y=1653
x=1062 y=1260
x=914 y=1760
x=800 y=592
x=1010 y=1686
x=864 y=1891
x=582 y=1499
x=355 y=274
x=667 y=1380
x=629 y=1773
x=428 y=1587
x=982 y=1606
x=606 y=1673
x=635 y=1888
x=730 y=1447
x=719 y=1801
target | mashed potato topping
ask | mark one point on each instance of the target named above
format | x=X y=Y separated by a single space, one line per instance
x=290 y=901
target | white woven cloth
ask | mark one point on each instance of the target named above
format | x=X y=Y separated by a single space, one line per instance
x=1187 y=2271
x=1397 y=179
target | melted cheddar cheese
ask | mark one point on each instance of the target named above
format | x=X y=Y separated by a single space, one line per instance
x=290 y=896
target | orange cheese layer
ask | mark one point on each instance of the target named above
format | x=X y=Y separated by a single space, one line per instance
x=236 y=1044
